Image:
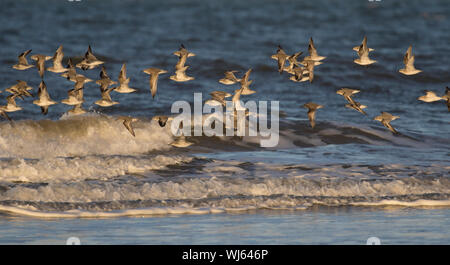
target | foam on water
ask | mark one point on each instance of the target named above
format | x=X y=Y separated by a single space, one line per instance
x=114 y=214
x=155 y=211
x=90 y=166
x=218 y=186
x=91 y=134
x=417 y=203
x=59 y=169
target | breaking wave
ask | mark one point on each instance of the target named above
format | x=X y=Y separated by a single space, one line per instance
x=90 y=166
x=92 y=134
x=217 y=186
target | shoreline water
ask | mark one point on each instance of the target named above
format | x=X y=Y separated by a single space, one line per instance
x=323 y=225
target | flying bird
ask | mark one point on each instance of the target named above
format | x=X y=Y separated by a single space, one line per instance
x=183 y=52
x=236 y=99
x=123 y=81
x=23 y=63
x=106 y=100
x=298 y=73
x=40 y=62
x=356 y=48
x=245 y=83
x=154 y=73
x=313 y=55
x=162 y=120
x=310 y=70
x=181 y=76
x=105 y=90
x=10 y=106
x=385 y=118
x=71 y=73
x=218 y=98
x=347 y=93
x=312 y=107
x=44 y=100
x=77 y=93
x=180 y=67
x=77 y=110
x=104 y=80
x=281 y=58
x=429 y=96
x=408 y=60
x=181 y=142
x=57 y=62
x=230 y=78
x=89 y=61
x=21 y=88
x=357 y=106
x=363 y=53
x=292 y=60
x=447 y=97
x=72 y=98
x=127 y=122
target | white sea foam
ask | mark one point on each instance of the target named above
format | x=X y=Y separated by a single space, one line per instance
x=417 y=203
x=155 y=211
x=206 y=188
x=91 y=134
x=111 y=214
x=74 y=167
x=59 y=169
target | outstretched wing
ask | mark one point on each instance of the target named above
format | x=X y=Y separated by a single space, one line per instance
x=22 y=57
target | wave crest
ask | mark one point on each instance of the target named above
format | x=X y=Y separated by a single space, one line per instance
x=91 y=134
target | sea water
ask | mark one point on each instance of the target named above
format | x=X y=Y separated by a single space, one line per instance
x=347 y=179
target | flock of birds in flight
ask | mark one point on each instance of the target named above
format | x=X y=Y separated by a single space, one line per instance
x=300 y=71
x=304 y=71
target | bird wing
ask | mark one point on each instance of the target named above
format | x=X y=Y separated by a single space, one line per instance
x=11 y=99
x=22 y=57
x=311 y=49
x=280 y=50
x=429 y=93
x=410 y=63
x=407 y=56
x=298 y=72
x=105 y=95
x=123 y=74
x=2 y=113
x=127 y=124
x=221 y=94
x=244 y=79
x=312 y=117
x=103 y=73
x=89 y=56
x=43 y=91
x=230 y=75
x=389 y=126
x=387 y=116
x=58 y=57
